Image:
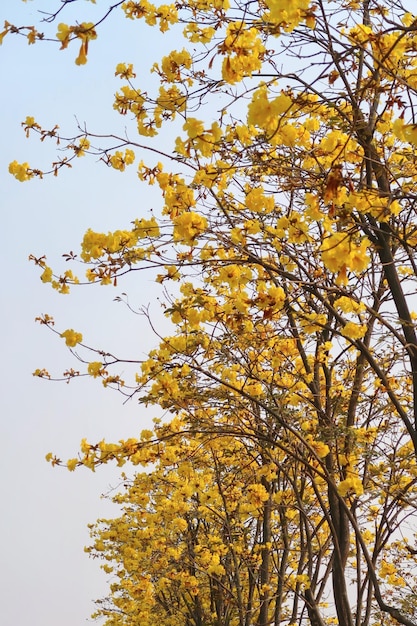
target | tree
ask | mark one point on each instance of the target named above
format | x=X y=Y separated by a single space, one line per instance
x=208 y=533
x=287 y=231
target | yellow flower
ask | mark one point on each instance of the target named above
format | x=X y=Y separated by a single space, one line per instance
x=339 y=252
x=348 y=305
x=188 y=226
x=319 y=447
x=193 y=127
x=304 y=580
x=146 y=228
x=30 y=121
x=125 y=71
x=20 y=171
x=46 y=276
x=352 y=483
x=146 y=434
x=171 y=99
x=72 y=464
x=95 y=368
x=196 y=33
x=360 y=33
x=63 y=34
x=171 y=64
x=120 y=160
x=244 y=52
x=82 y=147
x=41 y=373
x=5 y=31
x=257 y=494
x=288 y=13
x=354 y=331
x=257 y=201
x=266 y=113
x=71 y=337
x=82 y=54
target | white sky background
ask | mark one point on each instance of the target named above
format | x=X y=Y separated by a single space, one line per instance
x=45 y=577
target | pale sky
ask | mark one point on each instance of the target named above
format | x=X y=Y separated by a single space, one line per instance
x=46 y=579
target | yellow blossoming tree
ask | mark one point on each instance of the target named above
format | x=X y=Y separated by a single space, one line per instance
x=282 y=489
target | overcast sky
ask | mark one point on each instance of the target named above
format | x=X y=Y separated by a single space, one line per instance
x=46 y=579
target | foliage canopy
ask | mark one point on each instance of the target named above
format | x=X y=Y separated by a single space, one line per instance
x=281 y=489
